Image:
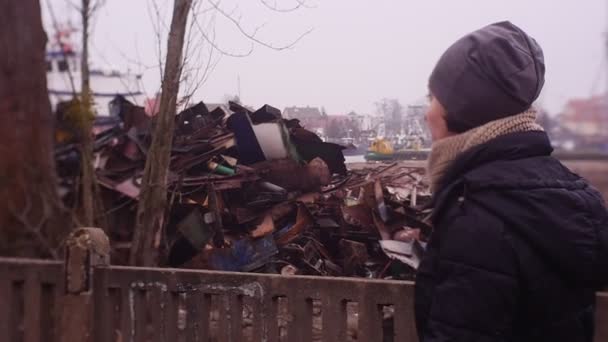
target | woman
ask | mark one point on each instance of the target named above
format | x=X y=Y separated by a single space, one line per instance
x=520 y=243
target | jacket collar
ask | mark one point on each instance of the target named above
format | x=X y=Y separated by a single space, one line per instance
x=507 y=147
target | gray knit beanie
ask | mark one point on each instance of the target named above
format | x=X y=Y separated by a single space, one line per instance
x=492 y=73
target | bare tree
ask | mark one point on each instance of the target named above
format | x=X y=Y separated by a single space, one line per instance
x=153 y=199
x=392 y=111
x=82 y=115
x=201 y=36
x=31 y=215
x=150 y=221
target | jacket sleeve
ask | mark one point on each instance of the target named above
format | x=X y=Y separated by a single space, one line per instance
x=476 y=290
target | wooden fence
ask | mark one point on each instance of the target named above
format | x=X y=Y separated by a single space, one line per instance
x=85 y=299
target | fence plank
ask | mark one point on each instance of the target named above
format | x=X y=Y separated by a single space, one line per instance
x=140 y=314
x=269 y=317
x=370 y=323
x=182 y=317
x=220 y=303
x=205 y=327
x=6 y=296
x=33 y=290
x=48 y=314
x=158 y=311
x=103 y=329
x=194 y=323
x=404 y=320
x=171 y=309
x=334 y=318
x=601 y=318
x=58 y=291
x=235 y=302
x=300 y=328
x=127 y=331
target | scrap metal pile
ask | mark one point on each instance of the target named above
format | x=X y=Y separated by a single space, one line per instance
x=253 y=192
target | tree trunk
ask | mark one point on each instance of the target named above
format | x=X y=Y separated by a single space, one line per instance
x=88 y=193
x=30 y=210
x=84 y=61
x=150 y=222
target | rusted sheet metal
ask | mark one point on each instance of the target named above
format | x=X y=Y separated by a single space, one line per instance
x=250 y=174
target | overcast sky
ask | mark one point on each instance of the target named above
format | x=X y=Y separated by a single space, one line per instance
x=358 y=52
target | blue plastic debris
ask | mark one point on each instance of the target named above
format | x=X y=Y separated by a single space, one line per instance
x=245 y=255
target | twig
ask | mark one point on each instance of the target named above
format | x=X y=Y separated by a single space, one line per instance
x=215 y=46
x=275 y=7
x=34 y=228
x=251 y=36
x=116 y=208
x=156 y=24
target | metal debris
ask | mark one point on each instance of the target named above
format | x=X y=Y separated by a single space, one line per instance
x=252 y=192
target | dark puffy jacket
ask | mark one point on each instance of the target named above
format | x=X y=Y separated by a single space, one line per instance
x=518 y=250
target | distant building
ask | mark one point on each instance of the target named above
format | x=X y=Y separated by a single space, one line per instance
x=587 y=117
x=393 y=113
x=344 y=126
x=414 y=122
x=302 y=113
x=357 y=120
x=310 y=118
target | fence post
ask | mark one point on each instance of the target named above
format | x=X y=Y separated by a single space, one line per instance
x=85 y=249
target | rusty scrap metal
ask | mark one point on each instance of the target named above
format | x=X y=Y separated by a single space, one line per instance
x=243 y=201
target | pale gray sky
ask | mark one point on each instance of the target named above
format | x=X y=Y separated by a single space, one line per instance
x=359 y=50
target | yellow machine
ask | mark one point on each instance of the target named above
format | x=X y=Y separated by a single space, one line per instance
x=381 y=146
x=382 y=149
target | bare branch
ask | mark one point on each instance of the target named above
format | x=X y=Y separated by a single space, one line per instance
x=35 y=228
x=257 y=29
x=117 y=207
x=275 y=7
x=194 y=77
x=137 y=61
x=216 y=47
x=156 y=24
x=96 y=5
x=74 y=6
x=195 y=52
x=252 y=36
